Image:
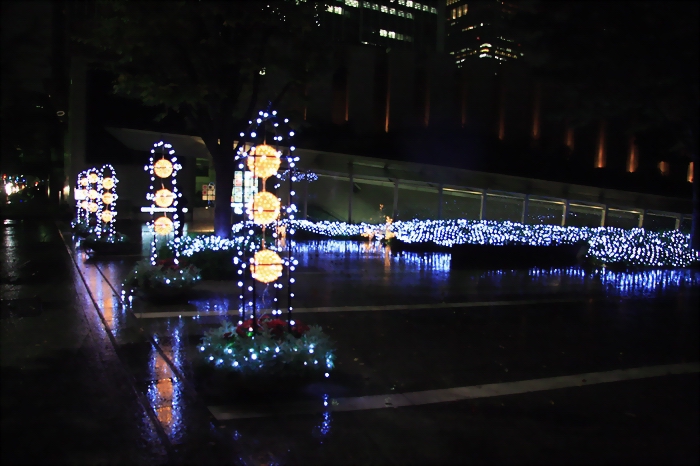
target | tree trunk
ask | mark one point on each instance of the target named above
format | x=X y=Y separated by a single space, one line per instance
x=695 y=229
x=225 y=167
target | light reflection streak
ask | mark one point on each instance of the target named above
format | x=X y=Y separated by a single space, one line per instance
x=165 y=396
x=639 y=283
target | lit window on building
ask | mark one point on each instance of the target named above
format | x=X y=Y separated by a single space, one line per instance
x=401 y=14
x=353 y=3
x=417 y=5
x=385 y=9
x=392 y=11
x=375 y=6
x=664 y=168
x=383 y=32
x=367 y=4
x=409 y=15
x=433 y=10
x=402 y=2
x=409 y=3
x=426 y=8
x=392 y=35
x=450 y=2
x=399 y=36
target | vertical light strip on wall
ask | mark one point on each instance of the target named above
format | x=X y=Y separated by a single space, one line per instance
x=632 y=157
x=570 y=138
x=536 y=112
x=600 y=153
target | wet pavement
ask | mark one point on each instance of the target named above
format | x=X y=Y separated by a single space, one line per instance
x=126 y=386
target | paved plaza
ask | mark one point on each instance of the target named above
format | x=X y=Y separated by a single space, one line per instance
x=433 y=366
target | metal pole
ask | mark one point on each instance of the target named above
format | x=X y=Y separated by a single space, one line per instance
x=352 y=187
x=395 y=213
x=526 y=203
x=641 y=218
x=565 y=212
x=604 y=216
x=289 y=258
x=482 y=210
x=678 y=222
x=306 y=199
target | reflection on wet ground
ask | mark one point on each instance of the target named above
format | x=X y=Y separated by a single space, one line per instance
x=381 y=351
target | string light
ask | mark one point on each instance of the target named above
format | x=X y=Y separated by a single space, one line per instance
x=165 y=168
x=607 y=245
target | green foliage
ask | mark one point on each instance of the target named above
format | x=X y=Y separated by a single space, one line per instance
x=161 y=277
x=285 y=356
x=214 y=63
x=215 y=265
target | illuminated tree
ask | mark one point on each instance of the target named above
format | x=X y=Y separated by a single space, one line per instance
x=214 y=63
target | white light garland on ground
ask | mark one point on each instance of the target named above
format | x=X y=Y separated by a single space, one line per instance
x=165 y=169
x=636 y=246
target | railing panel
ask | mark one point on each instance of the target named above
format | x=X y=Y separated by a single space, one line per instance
x=460 y=204
x=541 y=212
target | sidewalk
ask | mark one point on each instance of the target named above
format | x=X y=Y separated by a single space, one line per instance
x=65 y=396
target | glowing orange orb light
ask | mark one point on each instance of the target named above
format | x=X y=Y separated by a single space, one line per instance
x=84 y=182
x=92 y=178
x=107 y=216
x=164 y=198
x=163 y=168
x=163 y=226
x=263 y=161
x=92 y=207
x=264 y=208
x=108 y=198
x=84 y=205
x=93 y=194
x=107 y=183
x=266 y=266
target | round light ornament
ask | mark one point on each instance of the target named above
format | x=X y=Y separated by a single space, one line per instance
x=107 y=216
x=163 y=168
x=93 y=194
x=266 y=266
x=92 y=207
x=108 y=198
x=264 y=208
x=163 y=226
x=92 y=178
x=108 y=183
x=84 y=205
x=263 y=161
x=164 y=198
x=84 y=182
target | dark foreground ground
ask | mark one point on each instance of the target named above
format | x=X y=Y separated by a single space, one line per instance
x=84 y=381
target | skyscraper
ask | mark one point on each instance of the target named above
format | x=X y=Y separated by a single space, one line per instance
x=476 y=30
x=396 y=24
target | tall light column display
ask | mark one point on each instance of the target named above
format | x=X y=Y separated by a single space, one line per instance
x=81 y=195
x=266 y=210
x=108 y=196
x=163 y=195
x=94 y=203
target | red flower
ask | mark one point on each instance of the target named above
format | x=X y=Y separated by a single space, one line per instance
x=276 y=326
x=299 y=328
